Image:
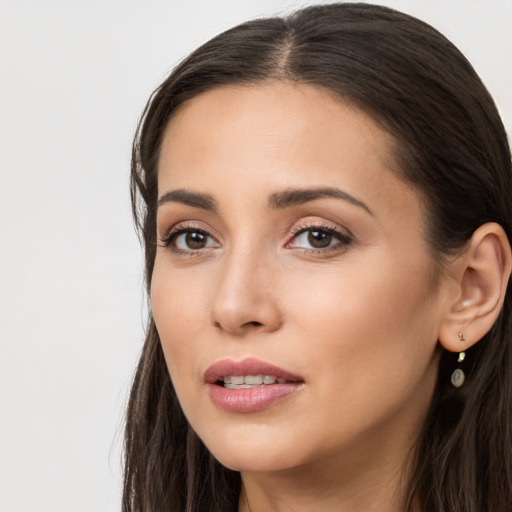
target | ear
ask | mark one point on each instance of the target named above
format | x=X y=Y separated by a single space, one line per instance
x=481 y=276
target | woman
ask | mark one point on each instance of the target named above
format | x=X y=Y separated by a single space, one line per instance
x=324 y=201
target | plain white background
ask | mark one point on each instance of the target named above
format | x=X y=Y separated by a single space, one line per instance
x=74 y=77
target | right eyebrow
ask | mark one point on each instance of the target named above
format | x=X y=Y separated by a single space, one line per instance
x=194 y=199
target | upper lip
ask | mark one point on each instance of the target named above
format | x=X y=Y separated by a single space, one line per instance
x=229 y=367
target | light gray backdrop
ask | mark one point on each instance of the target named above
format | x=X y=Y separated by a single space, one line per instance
x=74 y=76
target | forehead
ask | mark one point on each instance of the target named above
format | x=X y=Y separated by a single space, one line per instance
x=278 y=135
x=271 y=120
x=278 y=109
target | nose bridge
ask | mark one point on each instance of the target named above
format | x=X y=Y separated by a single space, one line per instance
x=244 y=299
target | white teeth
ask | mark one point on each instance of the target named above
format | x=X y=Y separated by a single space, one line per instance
x=241 y=386
x=246 y=381
x=254 y=379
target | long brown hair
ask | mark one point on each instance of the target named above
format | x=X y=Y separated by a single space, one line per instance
x=450 y=144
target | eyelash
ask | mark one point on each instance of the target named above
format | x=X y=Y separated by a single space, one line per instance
x=177 y=231
x=343 y=239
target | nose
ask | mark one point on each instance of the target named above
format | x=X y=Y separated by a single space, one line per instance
x=246 y=298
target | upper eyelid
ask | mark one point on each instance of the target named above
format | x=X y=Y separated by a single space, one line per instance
x=336 y=234
x=186 y=225
x=306 y=225
x=169 y=240
x=300 y=229
x=343 y=234
x=297 y=228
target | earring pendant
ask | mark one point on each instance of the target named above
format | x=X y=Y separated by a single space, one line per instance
x=458 y=377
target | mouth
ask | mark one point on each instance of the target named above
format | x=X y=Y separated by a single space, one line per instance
x=250 y=381
x=249 y=385
x=248 y=373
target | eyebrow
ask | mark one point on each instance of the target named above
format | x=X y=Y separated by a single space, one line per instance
x=292 y=197
x=278 y=200
x=194 y=199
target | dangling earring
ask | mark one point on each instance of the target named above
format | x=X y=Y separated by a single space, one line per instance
x=458 y=376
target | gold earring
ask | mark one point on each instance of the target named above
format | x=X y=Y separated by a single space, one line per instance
x=458 y=376
x=461 y=337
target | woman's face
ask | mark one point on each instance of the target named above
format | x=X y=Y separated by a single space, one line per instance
x=289 y=250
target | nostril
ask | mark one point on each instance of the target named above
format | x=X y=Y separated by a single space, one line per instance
x=253 y=324
x=242 y=328
x=247 y=324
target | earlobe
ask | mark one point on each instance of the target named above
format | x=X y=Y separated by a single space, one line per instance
x=482 y=275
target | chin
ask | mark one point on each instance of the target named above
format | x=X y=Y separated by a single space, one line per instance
x=247 y=455
x=243 y=464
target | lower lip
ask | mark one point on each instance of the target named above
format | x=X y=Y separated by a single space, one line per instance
x=251 y=399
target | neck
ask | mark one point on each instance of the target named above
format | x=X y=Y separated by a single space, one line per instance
x=379 y=488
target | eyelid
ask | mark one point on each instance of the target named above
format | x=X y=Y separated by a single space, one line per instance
x=183 y=227
x=185 y=224
x=310 y=223
x=342 y=234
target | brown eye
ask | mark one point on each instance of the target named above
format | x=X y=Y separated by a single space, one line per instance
x=319 y=239
x=190 y=240
x=195 y=240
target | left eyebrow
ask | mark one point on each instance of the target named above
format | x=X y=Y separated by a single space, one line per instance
x=292 y=197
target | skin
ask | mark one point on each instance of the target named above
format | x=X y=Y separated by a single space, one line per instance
x=358 y=320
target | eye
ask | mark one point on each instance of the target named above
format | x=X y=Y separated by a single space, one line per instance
x=317 y=238
x=193 y=240
x=187 y=240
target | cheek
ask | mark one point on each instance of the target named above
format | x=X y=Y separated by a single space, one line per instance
x=367 y=329
x=342 y=299
x=179 y=310
x=369 y=347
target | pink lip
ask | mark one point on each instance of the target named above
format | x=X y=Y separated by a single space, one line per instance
x=252 y=399
x=228 y=367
